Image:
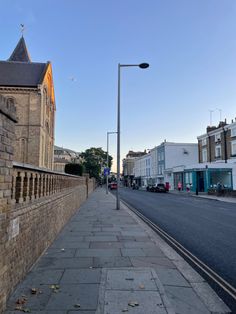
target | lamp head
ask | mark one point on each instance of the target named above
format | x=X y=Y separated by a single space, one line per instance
x=143 y=65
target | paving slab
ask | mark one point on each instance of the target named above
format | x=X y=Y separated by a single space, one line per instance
x=76 y=296
x=63 y=263
x=105 y=262
x=60 y=252
x=185 y=300
x=97 y=252
x=149 y=302
x=106 y=245
x=171 y=277
x=73 y=244
x=154 y=262
x=130 y=279
x=101 y=238
x=34 y=302
x=74 y=276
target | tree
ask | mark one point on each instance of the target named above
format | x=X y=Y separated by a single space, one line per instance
x=75 y=169
x=95 y=160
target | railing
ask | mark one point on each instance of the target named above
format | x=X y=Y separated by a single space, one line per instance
x=30 y=183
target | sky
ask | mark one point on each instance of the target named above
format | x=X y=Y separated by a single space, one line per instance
x=189 y=44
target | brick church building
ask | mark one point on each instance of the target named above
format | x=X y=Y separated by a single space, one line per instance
x=29 y=85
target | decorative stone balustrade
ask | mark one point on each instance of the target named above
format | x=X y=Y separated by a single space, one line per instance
x=31 y=183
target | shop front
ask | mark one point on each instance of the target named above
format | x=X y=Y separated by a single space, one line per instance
x=208 y=178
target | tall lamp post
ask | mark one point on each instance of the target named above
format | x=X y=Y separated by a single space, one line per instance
x=142 y=66
x=108 y=133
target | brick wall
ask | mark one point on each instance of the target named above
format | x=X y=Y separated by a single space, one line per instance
x=30 y=215
x=7 y=135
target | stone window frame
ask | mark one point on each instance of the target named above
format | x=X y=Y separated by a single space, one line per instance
x=233 y=153
x=216 y=149
x=233 y=131
x=204 y=154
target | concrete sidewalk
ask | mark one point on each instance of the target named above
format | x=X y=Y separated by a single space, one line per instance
x=108 y=261
x=226 y=199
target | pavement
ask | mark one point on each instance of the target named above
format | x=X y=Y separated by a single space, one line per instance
x=109 y=261
x=226 y=199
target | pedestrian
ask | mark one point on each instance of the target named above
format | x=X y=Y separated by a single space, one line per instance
x=219 y=189
x=179 y=186
x=188 y=187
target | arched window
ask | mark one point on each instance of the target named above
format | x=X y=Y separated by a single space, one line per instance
x=23 y=150
x=47 y=126
x=10 y=102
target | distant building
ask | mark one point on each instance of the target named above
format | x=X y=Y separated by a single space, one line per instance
x=29 y=85
x=142 y=170
x=63 y=156
x=218 y=144
x=128 y=166
x=217 y=159
x=170 y=155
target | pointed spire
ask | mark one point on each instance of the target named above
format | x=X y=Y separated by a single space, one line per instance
x=20 y=53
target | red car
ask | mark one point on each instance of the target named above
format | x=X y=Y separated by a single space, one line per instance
x=113 y=186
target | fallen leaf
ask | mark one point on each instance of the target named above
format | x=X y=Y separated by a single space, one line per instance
x=133 y=303
x=55 y=288
x=77 y=305
x=21 y=301
x=141 y=286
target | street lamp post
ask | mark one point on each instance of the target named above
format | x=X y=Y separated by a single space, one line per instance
x=142 y=66
x=108 y=133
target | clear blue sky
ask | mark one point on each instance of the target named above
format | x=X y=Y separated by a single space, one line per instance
x=190 y=45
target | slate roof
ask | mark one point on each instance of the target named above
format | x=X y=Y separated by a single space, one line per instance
x=20 y=53
x=19 y=71
x=21 y=74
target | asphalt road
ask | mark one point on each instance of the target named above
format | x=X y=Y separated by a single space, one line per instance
x=207 y=228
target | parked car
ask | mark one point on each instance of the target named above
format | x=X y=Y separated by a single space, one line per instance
x=113 y=186
x=150 y=188
x=135 y=186
x=160 y=187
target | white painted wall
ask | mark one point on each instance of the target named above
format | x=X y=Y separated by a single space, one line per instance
x=175 y=156
x=143 y=166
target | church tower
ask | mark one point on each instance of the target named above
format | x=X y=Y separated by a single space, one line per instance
x=29 y=85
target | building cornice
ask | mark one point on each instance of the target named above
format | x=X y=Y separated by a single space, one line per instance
x=17 y=89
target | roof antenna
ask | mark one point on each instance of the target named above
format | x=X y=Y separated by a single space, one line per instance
x=211 y=111
x=220 y=111
x=22 y=29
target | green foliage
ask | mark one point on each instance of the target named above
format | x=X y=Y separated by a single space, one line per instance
x=75 y=169
x=94 y=160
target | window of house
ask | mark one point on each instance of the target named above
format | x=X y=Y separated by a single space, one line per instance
x=233 y=148
x=204 y=155
x=10 y=102
x=233 y=131
x=217 y=137
x=218 y=151
x=204 y=142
